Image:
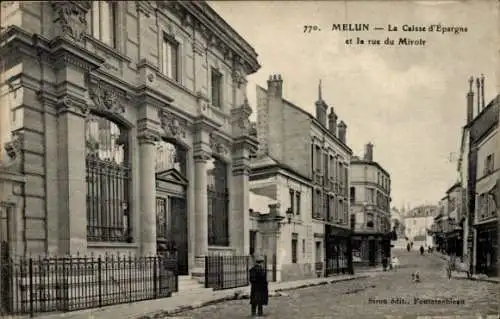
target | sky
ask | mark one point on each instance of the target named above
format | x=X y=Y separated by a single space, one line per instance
x=408 y=101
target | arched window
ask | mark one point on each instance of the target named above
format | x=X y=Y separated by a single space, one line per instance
x=108 y=178
x=170 y=156
x=218 y=203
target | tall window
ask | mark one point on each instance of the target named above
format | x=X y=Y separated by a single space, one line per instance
x=170 y=58
x=218 y=203
x=318 y=158
x=294 y=247
x=313 y=163
x=292 y=200
x=331 y=210
x=253 y=241
x=216 y=82
x=489 y=165
x=103 y=26
x=353 y=195
x=107 y=178
x=326 y=173
x=297 y=202
x=170 y=156
x=346 y=180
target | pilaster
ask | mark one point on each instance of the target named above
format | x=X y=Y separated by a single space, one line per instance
x=72 y=66
x=243 y=146
x=72 y=217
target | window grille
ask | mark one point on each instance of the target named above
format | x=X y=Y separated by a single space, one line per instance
x=107 y=179
x=218 y=203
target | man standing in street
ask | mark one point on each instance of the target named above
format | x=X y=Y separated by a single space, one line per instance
x=259 y=288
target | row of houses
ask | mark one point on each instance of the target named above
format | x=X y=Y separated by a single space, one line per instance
x=335 y=202
x=127 y=132
x=467 y=224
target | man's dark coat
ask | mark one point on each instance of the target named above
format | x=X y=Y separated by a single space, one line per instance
x=259 y=290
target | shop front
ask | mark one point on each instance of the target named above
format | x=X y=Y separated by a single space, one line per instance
x=487 y=249
x=337 y=250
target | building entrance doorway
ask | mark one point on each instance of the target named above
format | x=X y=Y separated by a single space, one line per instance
x=372 y=252
x=171 y=218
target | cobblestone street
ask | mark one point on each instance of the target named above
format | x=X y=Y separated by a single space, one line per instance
x=391 y=293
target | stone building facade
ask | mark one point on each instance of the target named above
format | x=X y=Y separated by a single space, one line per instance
x=304 y=167
x=487 y=175
x=370 y=197
x=477 y=171
x=133 y=126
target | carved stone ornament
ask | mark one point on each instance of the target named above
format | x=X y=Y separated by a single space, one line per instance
x=172 y=125
x=202 y=100
x=14 y=147
x=148 y=137
x=105 y=99
x=72 y=104
x=70 y=18
x=218 y=146
x=243 y=116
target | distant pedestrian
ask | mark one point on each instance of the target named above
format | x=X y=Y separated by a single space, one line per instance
x=408 y=247
x=259 y=294
x=422 y=250
x=385 y=262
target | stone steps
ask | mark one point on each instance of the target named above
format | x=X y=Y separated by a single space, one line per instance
x=190 y=286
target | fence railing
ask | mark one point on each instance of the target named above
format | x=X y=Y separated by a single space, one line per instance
x=336 y=265
x=225 y=272
x=61 y=284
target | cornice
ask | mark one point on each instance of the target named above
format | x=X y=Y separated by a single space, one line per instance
x=215 y=30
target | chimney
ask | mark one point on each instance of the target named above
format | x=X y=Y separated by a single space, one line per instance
x=369 y=152
x=482 y=91
x=321 y=107
x=332 y=122
x=470 y=102
x=342 y=131
x=275 y=85
x=478 y=85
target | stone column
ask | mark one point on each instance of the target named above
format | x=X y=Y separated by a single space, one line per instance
x=147 y=151
x=201 y=204
x=201 y=156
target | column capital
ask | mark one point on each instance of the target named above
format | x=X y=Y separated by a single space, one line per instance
x=72 y=104
x=201 y=156
x=148 y=137
x=247 y=142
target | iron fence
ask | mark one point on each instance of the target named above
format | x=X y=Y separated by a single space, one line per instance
x=225 y=272
x=62 y=284
x=336 y=265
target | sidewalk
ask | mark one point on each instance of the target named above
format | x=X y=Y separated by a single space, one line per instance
x=480 y=277
x=162 y=308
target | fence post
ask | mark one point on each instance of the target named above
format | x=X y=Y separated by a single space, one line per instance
x=31 y=286
x=130 y=277
x=99 y=279
x=247 y=267
x=155 y=278
x=207 y=285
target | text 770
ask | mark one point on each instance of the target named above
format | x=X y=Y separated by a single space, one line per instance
x=311 y=28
